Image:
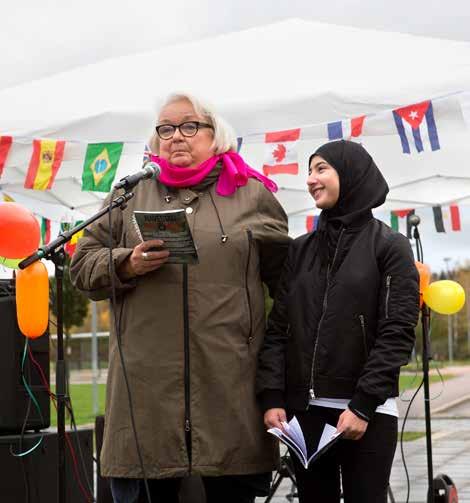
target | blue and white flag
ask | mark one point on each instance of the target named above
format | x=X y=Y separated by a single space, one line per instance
x=416 y=127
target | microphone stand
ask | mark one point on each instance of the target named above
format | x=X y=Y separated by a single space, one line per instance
x=426 y=356
x=54 y=251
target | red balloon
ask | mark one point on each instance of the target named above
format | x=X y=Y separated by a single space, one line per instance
x=19 y=231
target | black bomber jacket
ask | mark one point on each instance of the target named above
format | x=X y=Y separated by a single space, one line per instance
x=349 y=338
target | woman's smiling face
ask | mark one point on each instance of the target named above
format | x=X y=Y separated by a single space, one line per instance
x=323 y=183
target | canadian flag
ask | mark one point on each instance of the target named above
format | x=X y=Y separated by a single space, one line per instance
x=281 y=153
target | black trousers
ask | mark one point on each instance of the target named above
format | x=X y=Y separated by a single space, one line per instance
x=363 y=466
x=226 y=489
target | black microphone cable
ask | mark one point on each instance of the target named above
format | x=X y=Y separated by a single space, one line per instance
x=117 y=328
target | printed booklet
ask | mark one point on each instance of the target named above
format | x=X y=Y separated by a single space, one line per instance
x=173 y=229
x=293 y=438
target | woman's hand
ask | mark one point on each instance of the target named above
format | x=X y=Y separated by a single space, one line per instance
x=141 y=261
x=353 y=426
x=273 y=418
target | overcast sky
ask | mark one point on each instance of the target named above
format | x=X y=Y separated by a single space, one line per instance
x=42 y=38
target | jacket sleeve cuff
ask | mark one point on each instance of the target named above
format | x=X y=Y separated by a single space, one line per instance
x=271 y=399
x=363 y=405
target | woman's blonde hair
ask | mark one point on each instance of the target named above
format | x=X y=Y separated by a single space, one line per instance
x=224 y=135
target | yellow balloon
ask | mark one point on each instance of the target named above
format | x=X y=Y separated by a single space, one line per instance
x=445 y=296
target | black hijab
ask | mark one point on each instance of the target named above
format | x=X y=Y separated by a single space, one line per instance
x=361 y=188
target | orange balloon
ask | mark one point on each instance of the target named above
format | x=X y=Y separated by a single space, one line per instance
x=32 y=300
x=19 y=231
x=424 y=279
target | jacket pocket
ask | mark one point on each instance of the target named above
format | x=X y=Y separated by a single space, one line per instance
x=247 y=288
x=400 y=298
x=362 y=321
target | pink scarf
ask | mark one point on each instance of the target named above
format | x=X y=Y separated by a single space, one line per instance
x=235 y=173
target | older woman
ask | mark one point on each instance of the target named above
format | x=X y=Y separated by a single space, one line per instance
x=190 y=334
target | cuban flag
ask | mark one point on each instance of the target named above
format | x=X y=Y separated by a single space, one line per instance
x=281 y=153
x=350 y=129
x=416 y=127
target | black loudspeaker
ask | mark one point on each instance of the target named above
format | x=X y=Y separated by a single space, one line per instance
x=33 y=478
x=14 y=399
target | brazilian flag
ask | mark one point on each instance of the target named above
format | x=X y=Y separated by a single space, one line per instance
x=101 y=162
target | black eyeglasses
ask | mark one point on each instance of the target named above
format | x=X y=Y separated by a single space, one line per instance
x=188 y=129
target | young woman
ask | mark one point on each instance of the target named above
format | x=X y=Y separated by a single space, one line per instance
x=341 y=327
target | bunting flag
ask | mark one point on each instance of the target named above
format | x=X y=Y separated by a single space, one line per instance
x=311 y=222
x=5 y=145
x=416 y=127
x=71 y=245
x=45 y=230
x=45 y=162
x=453 y=215
x=281 y=152
x=101 y=162
x=147 y=152
x=399 y=221
x=239 y=144
x=350 y=129
x=65 y=226
x=7 y=198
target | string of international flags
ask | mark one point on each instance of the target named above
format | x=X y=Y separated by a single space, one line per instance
x=415 y=125
x=446 y=218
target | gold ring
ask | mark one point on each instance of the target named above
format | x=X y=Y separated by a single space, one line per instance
x=144 y=255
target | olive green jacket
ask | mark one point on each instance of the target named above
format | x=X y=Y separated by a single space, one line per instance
x=190 y=334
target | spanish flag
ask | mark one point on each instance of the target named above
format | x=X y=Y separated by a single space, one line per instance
x=45 y=162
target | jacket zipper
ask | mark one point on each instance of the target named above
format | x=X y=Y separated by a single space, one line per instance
x=325 y=305
x=248 y=296
x=364 y=336
x=187 y=403
x=387 y=297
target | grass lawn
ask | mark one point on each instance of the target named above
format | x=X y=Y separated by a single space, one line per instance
x=82 y=402
x=82 y=398
x=409 y=436
x=411 y=381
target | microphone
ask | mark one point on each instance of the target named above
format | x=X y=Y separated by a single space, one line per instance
x=414 y=220
x=150 y=170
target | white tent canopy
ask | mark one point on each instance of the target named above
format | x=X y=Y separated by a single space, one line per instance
x=286 y=75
